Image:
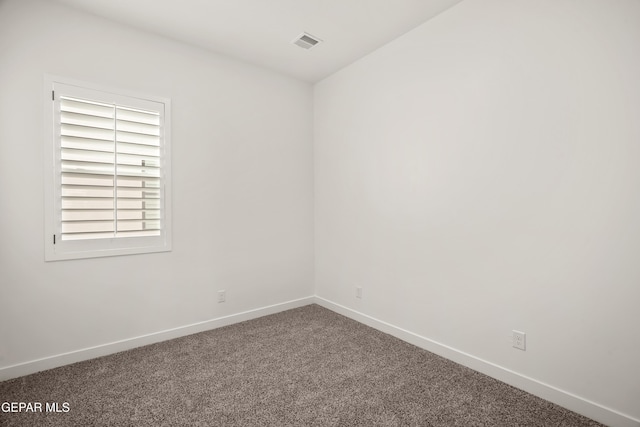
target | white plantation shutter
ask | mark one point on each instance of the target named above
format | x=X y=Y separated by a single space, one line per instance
x=110 y=165
x=110 y=174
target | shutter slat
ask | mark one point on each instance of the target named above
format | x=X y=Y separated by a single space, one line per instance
x=142 y=171
x=87 y=215
x=138 y=182
x=147 y=161
x=86 y=120
x=86 y=107
x=137 y=138
x=132 y=193
x=87 y=227
x=139 y=128
x=138 y=214
x=86 y=236
x=87 y=179
x=86 y=132
x=139 y=149
x=138 y=204
x=87 y=144
x=88 y=168
x=86 y=156
x=136 y=225
x=141 y=233
x=138 y=116
x=87 y=192
x=87 y=204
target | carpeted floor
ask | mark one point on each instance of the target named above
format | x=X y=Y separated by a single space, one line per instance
x=307 y=366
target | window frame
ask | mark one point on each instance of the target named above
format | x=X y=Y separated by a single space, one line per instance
x=55 y=248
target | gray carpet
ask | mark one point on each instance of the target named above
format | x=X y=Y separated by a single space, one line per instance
x=303 y=367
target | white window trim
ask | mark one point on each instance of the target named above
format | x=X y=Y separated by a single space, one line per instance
x=109 y=246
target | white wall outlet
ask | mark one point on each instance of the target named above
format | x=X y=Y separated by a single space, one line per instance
x=520 y=340
x=359 y=292
x=222 y=296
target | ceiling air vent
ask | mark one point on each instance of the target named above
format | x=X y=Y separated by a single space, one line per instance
x=306 y=41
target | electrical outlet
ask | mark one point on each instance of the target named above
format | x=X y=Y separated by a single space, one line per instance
x=520 y=340
x=222 y=296
x=359 y=292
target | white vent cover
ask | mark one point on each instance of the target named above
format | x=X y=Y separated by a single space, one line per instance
x=306 y=41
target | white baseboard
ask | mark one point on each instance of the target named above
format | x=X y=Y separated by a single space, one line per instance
x=560 y=397
x=51 y=362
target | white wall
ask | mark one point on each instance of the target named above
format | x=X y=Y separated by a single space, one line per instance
x=480 y=174
x=242 y=188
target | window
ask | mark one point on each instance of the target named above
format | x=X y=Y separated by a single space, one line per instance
x=107 y=172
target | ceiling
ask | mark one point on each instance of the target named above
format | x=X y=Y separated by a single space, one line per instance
x=261 y=31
